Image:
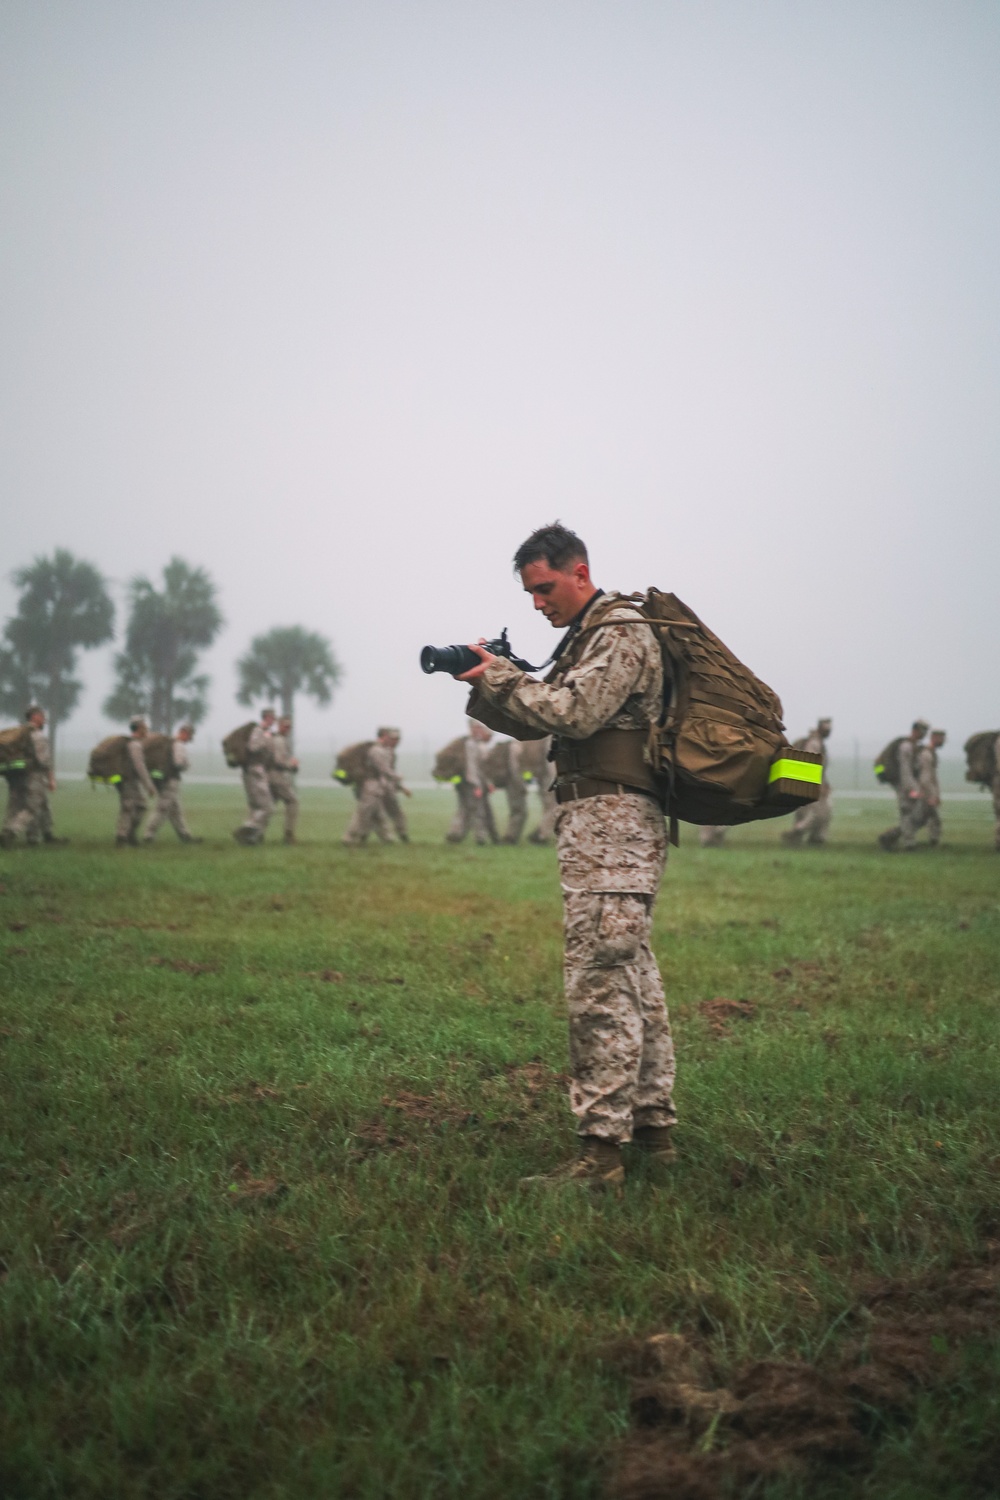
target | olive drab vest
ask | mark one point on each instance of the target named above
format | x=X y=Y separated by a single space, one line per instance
x=158 y=753
x=109 y=761
x=17 y=751
x=235 y=746
x=449 y=764
x=981 y=756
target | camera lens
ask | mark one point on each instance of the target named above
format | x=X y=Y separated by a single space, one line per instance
x=453 y=659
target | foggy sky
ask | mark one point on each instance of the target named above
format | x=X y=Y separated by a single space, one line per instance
x=341 y=300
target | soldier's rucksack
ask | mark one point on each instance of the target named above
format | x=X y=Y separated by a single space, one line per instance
x=351 y=765
x=981 y=756
x=719 y=750
x=886 y=765
x=158 y=753
x=450 y=762
x=17 y=751
x=109 y=760
x=235 y=747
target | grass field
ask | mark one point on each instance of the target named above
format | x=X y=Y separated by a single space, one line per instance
x=264 y=1116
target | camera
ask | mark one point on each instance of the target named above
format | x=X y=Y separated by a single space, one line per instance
x=459 y=659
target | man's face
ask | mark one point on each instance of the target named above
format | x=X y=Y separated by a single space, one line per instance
x=824 y=729
x=37 y=721
x=285 y=726
x=560 y=596
x=937 y=740
x=267 y=720
x=481 y=733
x=185 y=734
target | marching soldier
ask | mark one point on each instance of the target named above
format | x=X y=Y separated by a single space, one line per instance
x=168 y=800
x=260 y=803
x=473 y=792
x=925 y=809
x=812 y=822
x=281 y=775
x=28 y=809
x=996 y=792
x=134 y=787
x=378 y=794
x=600 y=698
x=907 y=792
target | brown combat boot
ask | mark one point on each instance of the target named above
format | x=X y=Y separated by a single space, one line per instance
x=656 y=1150
x=597 y=1167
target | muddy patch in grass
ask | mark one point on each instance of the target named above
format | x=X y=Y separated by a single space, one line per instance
x=183 y=966
x=700 y=1434
x=720 y=1012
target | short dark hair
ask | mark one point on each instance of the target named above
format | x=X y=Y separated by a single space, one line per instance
x=555 y=544
x=33 y=709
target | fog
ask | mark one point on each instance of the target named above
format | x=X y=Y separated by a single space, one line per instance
x=341 y=300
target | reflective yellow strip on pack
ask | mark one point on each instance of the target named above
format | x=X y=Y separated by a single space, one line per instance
x=795 y=770
x=454 y=780
x=879 y=770
x=339 y=775
x=527 y=775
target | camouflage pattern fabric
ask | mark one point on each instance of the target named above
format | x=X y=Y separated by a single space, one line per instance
x=281 y=781
x=812 y=822
x=131 y=809
x=168 y=798
x=378 y=806
x=473 y=814
x=28 y=812
x=260 y=803
x=996 y=793
x=611 y=857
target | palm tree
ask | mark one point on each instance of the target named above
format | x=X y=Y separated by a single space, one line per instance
x=285 y=661
x=64 y=607
x=167 y=629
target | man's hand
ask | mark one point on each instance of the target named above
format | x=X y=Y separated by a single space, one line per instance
x=484 y=661
x=52 y=783
x=406 y=791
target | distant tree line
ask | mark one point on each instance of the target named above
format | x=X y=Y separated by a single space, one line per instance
x=65 y=608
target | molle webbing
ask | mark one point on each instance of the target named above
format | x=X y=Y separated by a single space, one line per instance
x=613 y=755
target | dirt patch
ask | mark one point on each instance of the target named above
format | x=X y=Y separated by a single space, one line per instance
x=183 y=966
x=244 y=1188
x=698 y=1435
x=16 y=952
x=17 y=926
x=535 y=1077
x=429 y=1109
x=720 y=1012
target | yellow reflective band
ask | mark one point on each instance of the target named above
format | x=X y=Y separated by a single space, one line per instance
x=527 y=775
x=340 y=775
x=795 y=770
x=879 y=769
x=454 y=780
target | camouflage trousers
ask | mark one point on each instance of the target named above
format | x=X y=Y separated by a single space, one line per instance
x=28 y=810
x=260 y=803
x=282 y=788
x=371 y=815
x=545 y=831
x=914 y=813
x=996 y=810
x=812 y=822
x=621 y=1051
x=393 y=810
x=712 y=836
x=168 y=810
x=473 y=813
x=131 y=810
x=517 y=809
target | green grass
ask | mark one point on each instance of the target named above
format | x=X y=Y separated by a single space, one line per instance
x=261 y=1231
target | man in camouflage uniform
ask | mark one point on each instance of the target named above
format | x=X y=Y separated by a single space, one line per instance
x=812 y=822
x=168 y=799
x=924 y=811
x=474 y=810
x=904 y=836
x=378 y=794
x=514 y=765
x=606 y=688
x=281 y=775
x=135 y=786
x=28 y=810
x=259 y=760
x=996 y=792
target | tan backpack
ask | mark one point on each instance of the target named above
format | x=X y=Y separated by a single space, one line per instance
x=109 y=761
x=158 y=753
x=450 y=762
x=719 y=751
x=351 y=766
x=235 y=747
x=886 y=765
x=981 y=756
x=17 y=751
